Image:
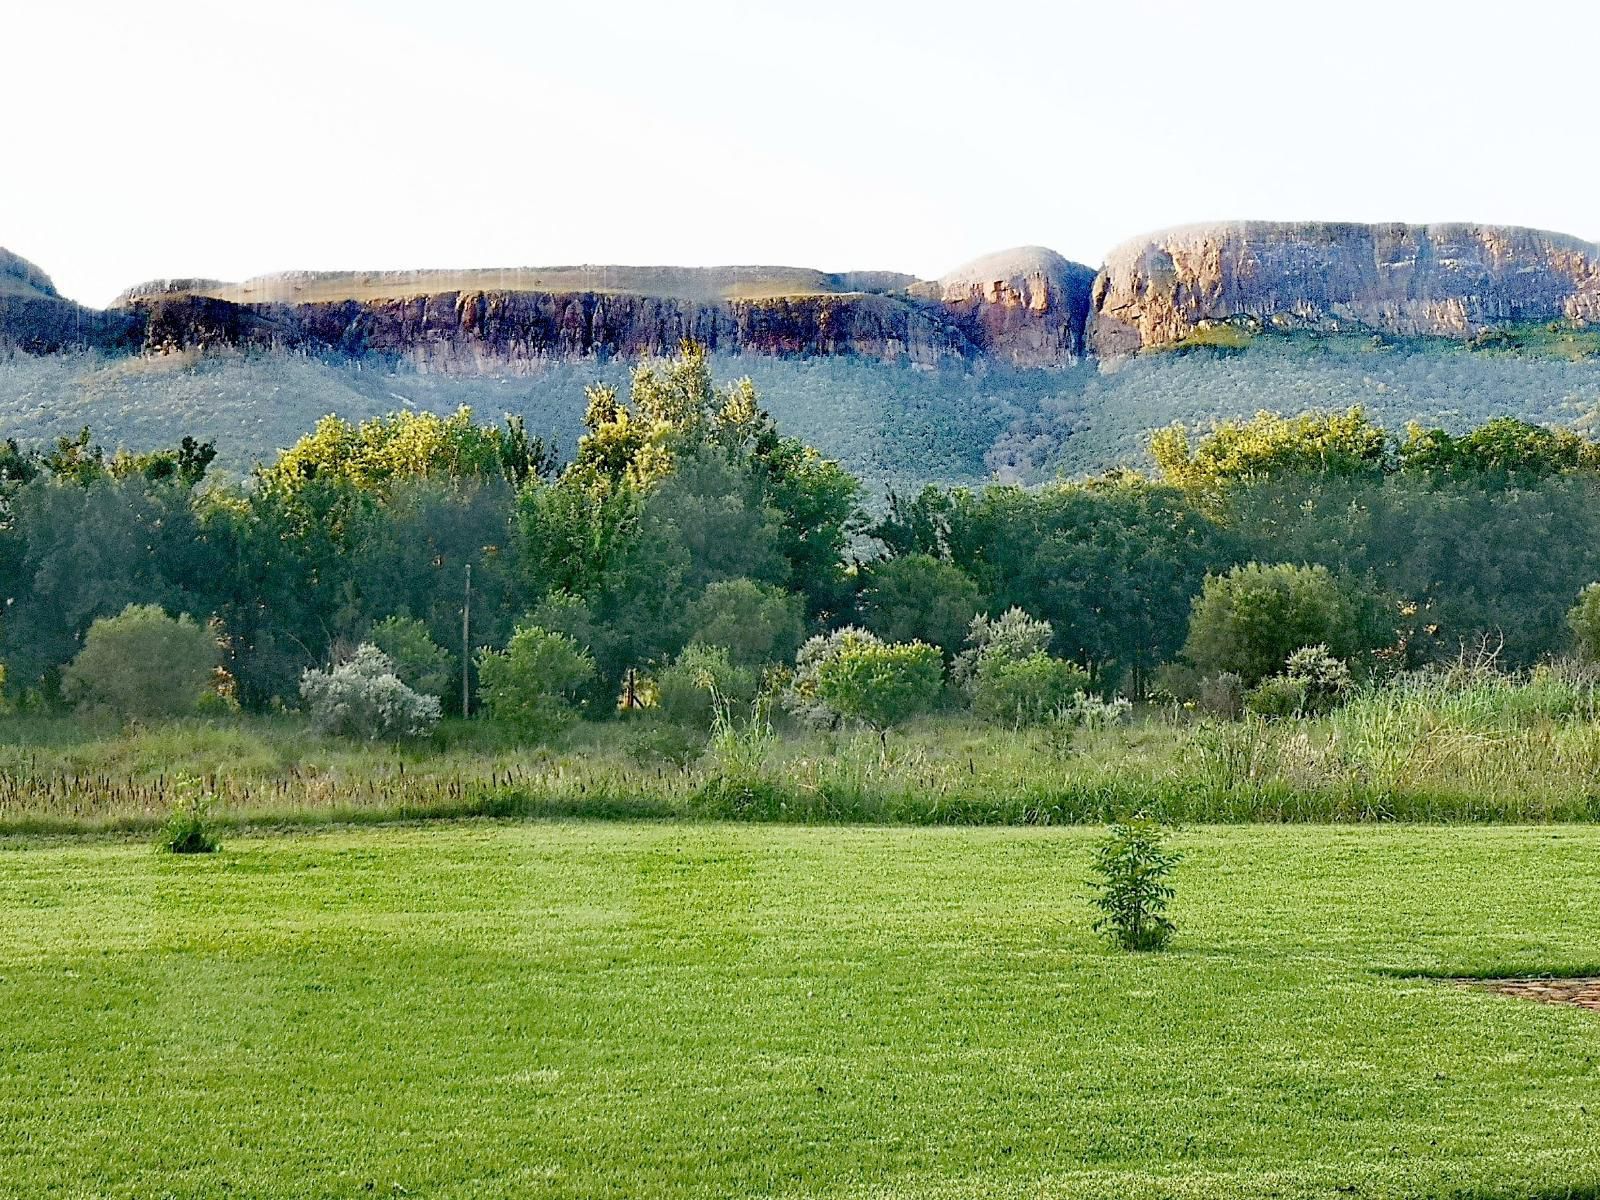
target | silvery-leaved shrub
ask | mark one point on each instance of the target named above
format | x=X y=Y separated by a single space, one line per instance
x=364 y=698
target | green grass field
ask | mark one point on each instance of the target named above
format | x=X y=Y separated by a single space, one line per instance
x=635 y=1009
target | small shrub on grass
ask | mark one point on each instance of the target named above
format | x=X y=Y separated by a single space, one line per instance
x=1280 y=697
x=1131 y=867
x=1025 y=691
x=186 y=830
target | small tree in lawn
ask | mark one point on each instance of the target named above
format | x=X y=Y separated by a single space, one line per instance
x=880 y=684
x=1130 y=881
x=1584 y=619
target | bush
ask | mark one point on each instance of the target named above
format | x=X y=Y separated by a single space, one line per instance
x=142 y=663
x=801 y=697
x=1281 y=696
x=1131 y=867
x=699 y=679
x=1248 y=621
x=1025 y=691
x=1011 y=636
x=533 y=684
x=1584 y=620
x=1326 y=680
x=881 y=685
x=186 y=830
x=420 y=662
x=364 y=698
x=1222 y=695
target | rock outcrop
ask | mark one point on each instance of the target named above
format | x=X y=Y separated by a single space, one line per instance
x=1429 y=280
x=1030 y=303
x=1026 y=308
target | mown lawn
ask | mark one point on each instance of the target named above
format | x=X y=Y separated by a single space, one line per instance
x=610 y=1009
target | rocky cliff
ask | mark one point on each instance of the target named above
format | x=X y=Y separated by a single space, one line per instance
x=1026 y=308
x=36 y=319
x=1431 y=280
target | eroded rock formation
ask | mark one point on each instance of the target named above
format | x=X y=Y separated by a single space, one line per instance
x=1430 y=280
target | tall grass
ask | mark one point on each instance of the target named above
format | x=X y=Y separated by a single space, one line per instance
x=1468 y=744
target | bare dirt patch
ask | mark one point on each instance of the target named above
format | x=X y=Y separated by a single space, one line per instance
x=1583 y=992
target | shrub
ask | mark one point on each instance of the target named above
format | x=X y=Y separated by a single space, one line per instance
x=801 y=697
x=1326 y=680
x=1019 y=692
x=142 y=663
x=364 y=698
x=1584 y=620
x=1011 y=636
x=1281 y=696
x=420 y=662
x=1248 y=621
x=699 y=679
x=1131 y=867
x=186 y=830
x=534 y=682
x=1222 y=695
x=881 y=685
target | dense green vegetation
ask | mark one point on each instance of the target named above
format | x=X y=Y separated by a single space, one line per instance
x=651 y=1010
x=892 y=425
x=670 y=572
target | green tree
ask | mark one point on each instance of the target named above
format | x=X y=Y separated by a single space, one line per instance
x=919 y=598
x=757 y=623
x=142 y=663
x=420 y=662
x=880 y=685
x=1249 y=620
x=1583 y=618
x=533 y=684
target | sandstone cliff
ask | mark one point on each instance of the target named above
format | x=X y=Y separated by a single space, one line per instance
x=1432 y=280
x=1026 y=308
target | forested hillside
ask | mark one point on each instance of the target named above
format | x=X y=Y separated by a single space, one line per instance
x=896 y=426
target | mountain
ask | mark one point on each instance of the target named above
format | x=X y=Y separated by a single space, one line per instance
x=1019 y=365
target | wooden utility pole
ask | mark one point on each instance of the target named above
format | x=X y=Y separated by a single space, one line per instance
x=466 y=647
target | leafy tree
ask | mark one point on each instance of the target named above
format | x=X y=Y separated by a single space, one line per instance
x=1131 y=869
x=1025 y=691
x=420 y=662
x=757 y=623
x=1249 y=620
x=534 y=683
x=880 y=684
x=1584 y=620
x=1010 y=637
x=1268 y=444
x=142 y=663
x=919 y=598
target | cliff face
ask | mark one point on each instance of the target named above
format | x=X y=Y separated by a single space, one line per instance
x=1030 y=304
x=1437 y=280
x=1026 y=308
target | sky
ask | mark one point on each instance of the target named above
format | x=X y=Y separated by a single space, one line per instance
x=178 y=138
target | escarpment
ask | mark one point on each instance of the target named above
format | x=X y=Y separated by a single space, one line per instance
x=1451 y=281
x=1027 y=307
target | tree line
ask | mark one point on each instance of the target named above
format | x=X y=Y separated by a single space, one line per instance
x=686 y=525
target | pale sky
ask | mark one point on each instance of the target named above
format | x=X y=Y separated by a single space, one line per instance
x=188 y=138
